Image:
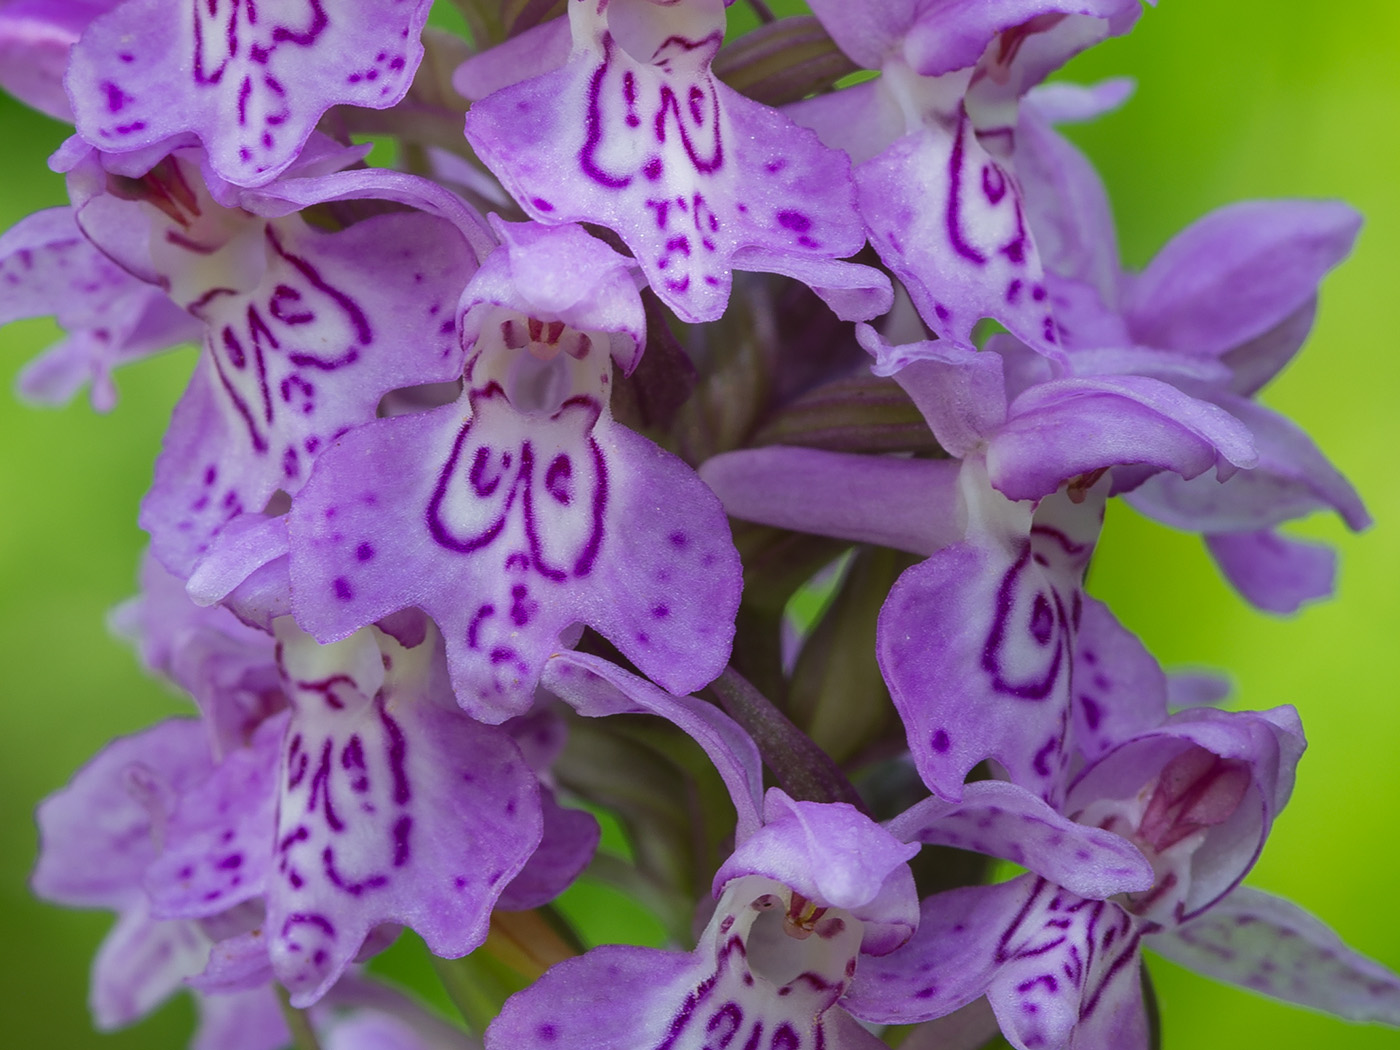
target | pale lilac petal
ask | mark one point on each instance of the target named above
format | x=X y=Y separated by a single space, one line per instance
x=1003 y=820
x=218 y=842
x=1119 y=689
x=1272 y=946
x=98 y=834
x=835 y=856
x=236 y=963
x=1066 y=203
x=1197 y=689
x=1237 y=273
x=394 y=808
x=1291 y=479
x=251 y=83
x=35 y=38
x=1066 y=427
x=141 y=963
x=290 y=194
x=949 y=962
x=577 y=519
x=568 y=842
x=907 y=504
x=686 y=171
x=961 y=393
x=539 y=50
x=47 y=266
x=1265 y=746
x=1256 y=362
x=297 y=358
x=861 y=120
x=248 y=1020
x=1275 y=572
x=854 y=292
x=976 y=643
x=595 y=688
x=947 y=218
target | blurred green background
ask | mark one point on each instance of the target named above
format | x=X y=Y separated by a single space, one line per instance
x=1235 y=100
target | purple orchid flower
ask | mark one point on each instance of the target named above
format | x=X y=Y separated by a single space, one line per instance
x=805 y=902
x=522 y=508
x=799 y=902
x=252 y=80
x=981 y=644
x=97 y=838
x=1197 y=796
x=302 y=338
x=695 y=178
x=373 y=801
x=934 y=148
x=47 y=266
x=1220 y=311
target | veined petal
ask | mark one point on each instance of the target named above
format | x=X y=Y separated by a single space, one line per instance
x=295 y=358
x=251 y=81
x=394 y=808
x=947 y=218
x=1003 y=820
x=544 y=520
x=748 y=983
x=98 y=835
x=1272 y=946
x=686 y=171
x=977 y=643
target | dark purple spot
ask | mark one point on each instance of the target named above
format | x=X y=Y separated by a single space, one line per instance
x=364 y=552
x=342 y=588
x=795 y=221
x=940 y=741
x=652 y=170
x=542 y=204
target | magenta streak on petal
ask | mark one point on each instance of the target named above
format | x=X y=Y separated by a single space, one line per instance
x=593 y=122
x=363 y=332
x=258 y=329
x=669 y=102
x=997 y=637
x=1127 y=955
x=953 y=214
x=398 y=753
x=336 y=879
x=326 y=687
x=321 y=785
x=433 y=514
x=258 y=440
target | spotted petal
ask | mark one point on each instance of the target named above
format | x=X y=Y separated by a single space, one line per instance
x=1272 y=946
x=249 y=81
x=636 y=134
x=48 y=267
x=977 y=642
x=742 y=986
x=394 y=808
